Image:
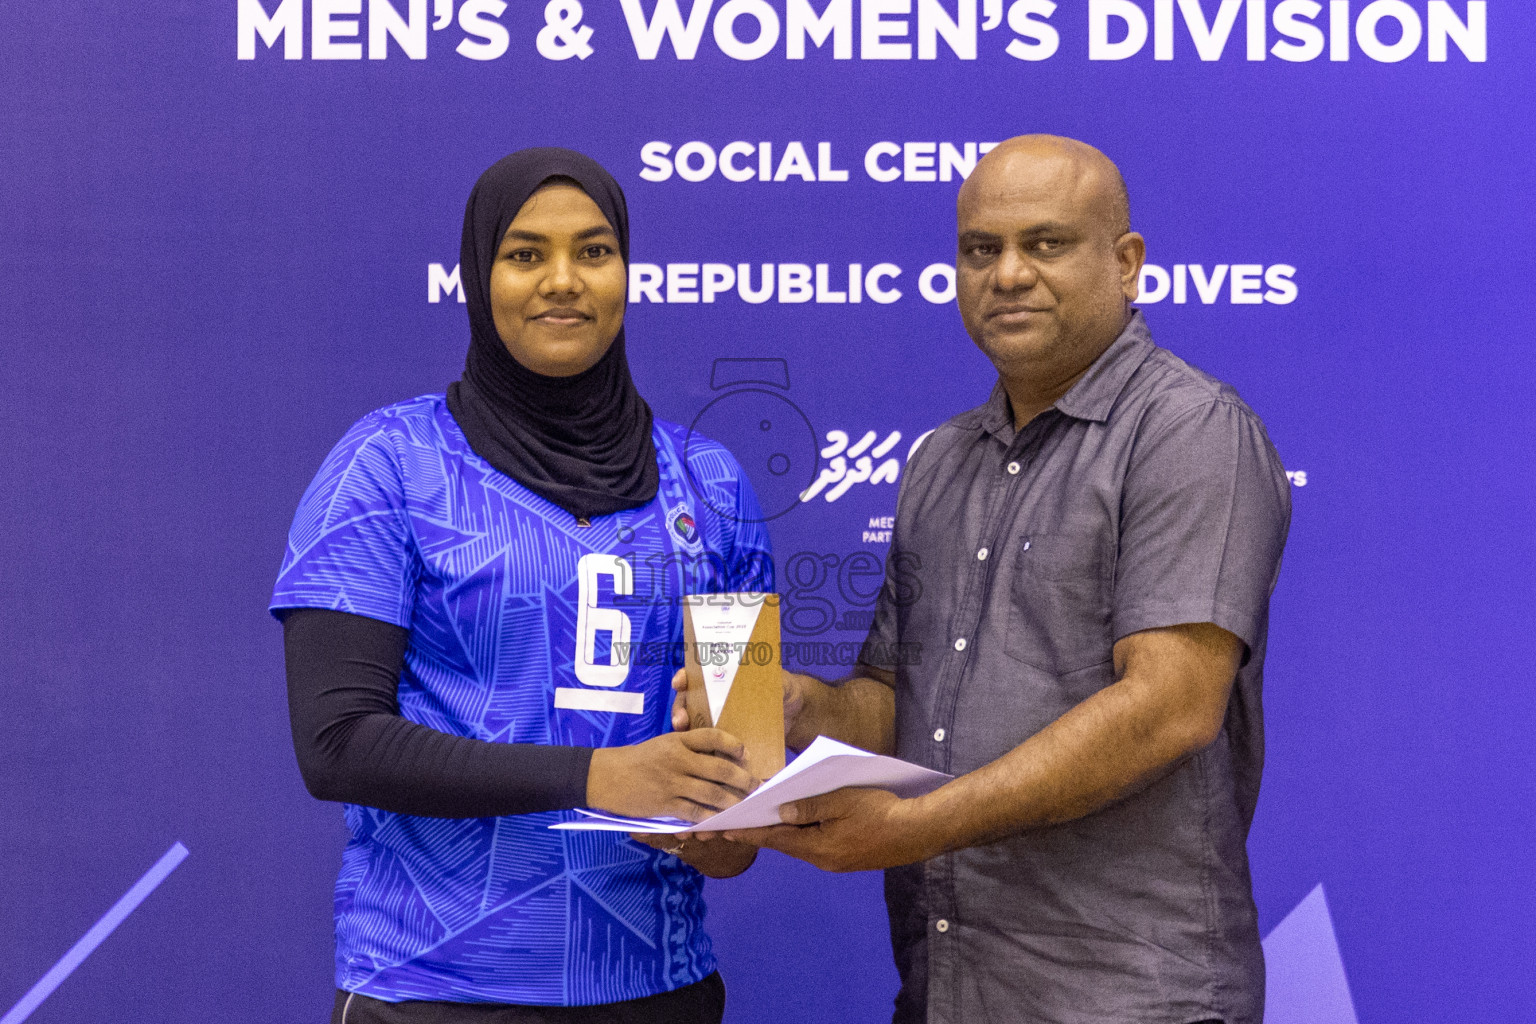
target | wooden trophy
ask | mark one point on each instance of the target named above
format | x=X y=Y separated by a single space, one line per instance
x=734 y=679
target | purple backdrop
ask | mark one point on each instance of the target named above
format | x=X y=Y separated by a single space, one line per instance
x=213 y=265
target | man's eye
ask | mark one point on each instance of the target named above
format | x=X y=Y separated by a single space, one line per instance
x=982 y=251
x=1048 y=244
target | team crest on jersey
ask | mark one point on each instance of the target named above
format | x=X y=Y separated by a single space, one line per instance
x=680 y=522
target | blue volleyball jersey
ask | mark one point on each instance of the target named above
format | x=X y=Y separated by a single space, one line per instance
x=525 y=628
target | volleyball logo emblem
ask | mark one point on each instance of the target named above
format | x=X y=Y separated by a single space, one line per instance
x=719 y=661
x=684 y=526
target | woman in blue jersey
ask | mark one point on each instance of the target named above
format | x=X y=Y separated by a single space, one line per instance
x=481 y=604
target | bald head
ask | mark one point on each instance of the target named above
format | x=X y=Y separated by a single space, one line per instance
x=1047 y=264
x=1028 y=159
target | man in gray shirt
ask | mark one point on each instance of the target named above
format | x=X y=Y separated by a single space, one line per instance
x=1073 y=623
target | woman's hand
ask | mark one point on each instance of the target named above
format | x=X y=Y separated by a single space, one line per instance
x=688 y=775
x=709 y=855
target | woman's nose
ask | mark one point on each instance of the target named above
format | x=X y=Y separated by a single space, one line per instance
x=563 y=277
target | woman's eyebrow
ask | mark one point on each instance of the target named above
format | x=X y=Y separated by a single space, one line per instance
x=596 y=231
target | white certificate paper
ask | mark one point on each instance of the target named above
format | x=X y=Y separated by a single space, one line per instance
x=824 y=766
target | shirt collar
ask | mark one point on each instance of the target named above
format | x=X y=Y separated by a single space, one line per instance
x=1095 y=393
x=1093 y=396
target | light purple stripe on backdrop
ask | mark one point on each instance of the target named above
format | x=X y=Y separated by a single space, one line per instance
x=96 y=936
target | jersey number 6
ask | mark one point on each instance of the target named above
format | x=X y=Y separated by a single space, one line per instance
x=591 y=620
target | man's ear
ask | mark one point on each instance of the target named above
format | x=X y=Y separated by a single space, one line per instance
x=1130 y=254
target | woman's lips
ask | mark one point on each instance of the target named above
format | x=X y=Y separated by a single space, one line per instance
x=562 y=317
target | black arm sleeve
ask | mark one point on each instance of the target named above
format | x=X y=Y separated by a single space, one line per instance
x=354 y=746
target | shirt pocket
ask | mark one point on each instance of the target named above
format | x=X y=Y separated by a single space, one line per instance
x=1059 y=614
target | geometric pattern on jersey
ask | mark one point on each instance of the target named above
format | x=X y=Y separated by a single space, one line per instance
x=406 y=524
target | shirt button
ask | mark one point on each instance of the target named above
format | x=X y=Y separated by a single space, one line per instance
x=981 y=556
x=1013 y=468
x=941 y=926
x=960 y=644
x=938 y=735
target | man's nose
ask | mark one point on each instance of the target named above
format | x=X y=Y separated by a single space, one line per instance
x=1015 y=271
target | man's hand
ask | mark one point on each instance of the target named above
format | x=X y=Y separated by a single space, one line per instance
x=849 y=830
x=859 y=711
x=709 y=855
x=688 y=775
x=1168 y=704
x=794 y=699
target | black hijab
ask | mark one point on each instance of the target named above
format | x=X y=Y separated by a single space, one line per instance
x=583 y=442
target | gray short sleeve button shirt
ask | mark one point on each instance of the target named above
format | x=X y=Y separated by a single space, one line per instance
x=1148 y=496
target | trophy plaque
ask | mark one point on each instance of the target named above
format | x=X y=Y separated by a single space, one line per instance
x=734 y=680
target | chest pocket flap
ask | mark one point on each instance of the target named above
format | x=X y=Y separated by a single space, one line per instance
x=1059 y=610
